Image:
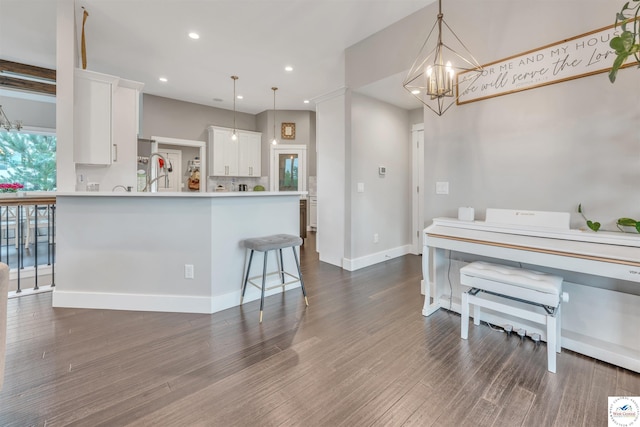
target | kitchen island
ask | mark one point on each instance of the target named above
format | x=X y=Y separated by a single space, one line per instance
x=135 y=251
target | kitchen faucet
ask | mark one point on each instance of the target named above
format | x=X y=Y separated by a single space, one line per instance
x=165 y=169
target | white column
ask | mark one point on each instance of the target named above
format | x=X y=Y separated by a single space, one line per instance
x=65 y=64
x=331 y=172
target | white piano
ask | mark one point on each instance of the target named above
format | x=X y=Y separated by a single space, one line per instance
x=601 y=271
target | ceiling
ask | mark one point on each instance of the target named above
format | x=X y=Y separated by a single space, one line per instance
x=143 y=40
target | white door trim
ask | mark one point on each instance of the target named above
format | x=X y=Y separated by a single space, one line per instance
x=417 y=180
x=276 y=150
x=186 y=143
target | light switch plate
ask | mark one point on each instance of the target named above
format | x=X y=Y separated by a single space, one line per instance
x=188 y=271
x=361 y=187
x=442 y=187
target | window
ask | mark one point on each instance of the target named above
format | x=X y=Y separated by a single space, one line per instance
x=28 y=158
x=288 y=172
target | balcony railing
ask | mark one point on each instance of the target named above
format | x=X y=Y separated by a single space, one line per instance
x=27 y=241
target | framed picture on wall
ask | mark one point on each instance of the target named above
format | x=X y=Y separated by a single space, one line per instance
x=288 y=131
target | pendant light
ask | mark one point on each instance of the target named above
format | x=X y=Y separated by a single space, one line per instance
x=440 y=73
x=275 y=141
x=234 y=136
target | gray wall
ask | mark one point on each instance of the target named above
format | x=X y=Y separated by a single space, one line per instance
x=380 y=136
x=178 y=119
x=548 y=148
x=305 y=133
x=416 y=116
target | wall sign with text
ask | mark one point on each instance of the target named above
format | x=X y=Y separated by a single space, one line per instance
x=579 y=56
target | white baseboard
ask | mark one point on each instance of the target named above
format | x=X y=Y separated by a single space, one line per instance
x=134 y=302
x=376 y=258
x=162 y=303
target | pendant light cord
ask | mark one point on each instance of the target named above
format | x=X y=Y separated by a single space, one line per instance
x=274 y=89
x=234 y=103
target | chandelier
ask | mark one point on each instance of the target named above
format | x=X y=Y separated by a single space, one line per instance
x=6 y=123
x=441 y=72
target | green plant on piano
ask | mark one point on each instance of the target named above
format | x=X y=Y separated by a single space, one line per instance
x=628 y=222
x=627 y=43
x=621 y=223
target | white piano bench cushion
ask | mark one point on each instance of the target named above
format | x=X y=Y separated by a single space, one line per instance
x=528 y=285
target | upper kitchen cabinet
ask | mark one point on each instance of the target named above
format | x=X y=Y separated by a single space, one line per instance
x=234 y=158
x=249 y=151
x=106 y=111
x=223 y=152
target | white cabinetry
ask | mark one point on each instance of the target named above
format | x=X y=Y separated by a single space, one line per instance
x=249 y=152
x=106 y=112
x=227 y=157
x=223 y=152
x=93 y=126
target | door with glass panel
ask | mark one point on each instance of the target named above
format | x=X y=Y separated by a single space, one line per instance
x=288 y=168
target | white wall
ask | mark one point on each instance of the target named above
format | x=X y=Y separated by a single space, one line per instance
x=65 y=65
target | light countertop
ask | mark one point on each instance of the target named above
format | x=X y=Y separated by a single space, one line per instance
x=181 y=194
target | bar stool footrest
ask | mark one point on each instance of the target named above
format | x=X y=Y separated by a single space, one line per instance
x=279 y=285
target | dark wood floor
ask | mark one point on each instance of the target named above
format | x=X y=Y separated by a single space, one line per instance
x=361 y=354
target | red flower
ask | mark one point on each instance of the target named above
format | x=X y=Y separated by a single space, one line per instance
x=10 y=187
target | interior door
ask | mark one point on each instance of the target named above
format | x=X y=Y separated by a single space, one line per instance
x=418 y=196
x=288 y=168
x=174 y=157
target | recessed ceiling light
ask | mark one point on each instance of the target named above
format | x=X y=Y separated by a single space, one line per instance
x=163 y=79
x=240 y=97
x=306 y=101
x=288 y=68
x=415 y=91
x=194 y=36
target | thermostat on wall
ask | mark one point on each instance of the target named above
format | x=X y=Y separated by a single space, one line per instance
x=382 y=170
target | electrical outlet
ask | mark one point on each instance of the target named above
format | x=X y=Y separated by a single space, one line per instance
x=188 y=271
x=376 y=238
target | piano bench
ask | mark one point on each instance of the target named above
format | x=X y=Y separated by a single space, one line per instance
x=514 y=284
